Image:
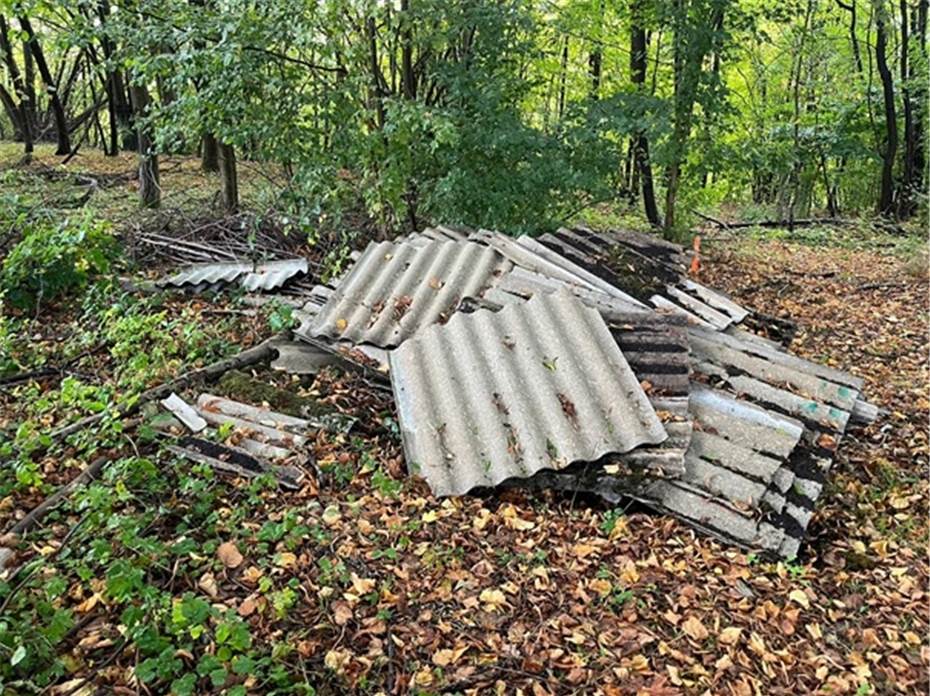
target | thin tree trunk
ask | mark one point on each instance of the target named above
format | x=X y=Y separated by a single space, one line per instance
x=408 y=78
x=210 y=153
x=640 y=144
x=31 y=103
x=853 y=39
x=920 y=96
x=886 y=195
x=796 y=115
x=229 y=176
x=149 y=184
x=906 y=194
x=19 y=87
x=12 y=112
x=58 y=111
x=562 y=78
x=596 y=57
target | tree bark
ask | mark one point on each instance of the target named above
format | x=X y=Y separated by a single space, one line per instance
x=562 y=77
x=853 y=39
x=920 y=95
x=149 y=184
x=906 y=205
x=19 y=87
x=887 y=193
x=596 y=56
x=408 y=77
x=229 y=176
x=51 y=87
x=210 y=153
x=640 y=143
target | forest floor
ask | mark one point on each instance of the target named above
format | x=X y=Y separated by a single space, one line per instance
x=163 y=576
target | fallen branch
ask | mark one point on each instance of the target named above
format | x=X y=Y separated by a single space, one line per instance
x=803 y=222
x=263 y=351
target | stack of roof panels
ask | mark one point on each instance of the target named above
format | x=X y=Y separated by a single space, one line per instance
x=512 y=359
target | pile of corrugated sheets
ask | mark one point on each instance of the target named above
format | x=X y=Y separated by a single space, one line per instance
x=590 y=361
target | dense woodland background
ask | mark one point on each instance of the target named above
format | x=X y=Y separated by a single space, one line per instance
x=511 y=115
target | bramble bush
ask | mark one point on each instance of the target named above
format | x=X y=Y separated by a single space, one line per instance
x=54 y=260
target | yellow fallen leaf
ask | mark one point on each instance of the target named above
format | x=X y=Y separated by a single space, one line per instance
x=493 y=599
x=429 y=516
x=583 y=550
x=362 y=586
x=799 y=597
x=729 y=635
x=693 y=627
x=341 y=325
x=446 y=657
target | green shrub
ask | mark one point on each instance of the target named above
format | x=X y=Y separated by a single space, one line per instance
x=54 y=260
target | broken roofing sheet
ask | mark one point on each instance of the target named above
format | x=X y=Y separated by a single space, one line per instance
x=267 y=275
x=758 y=492
x=396 y=288
x=493 y=396
x=735 y=476
x=265 y=441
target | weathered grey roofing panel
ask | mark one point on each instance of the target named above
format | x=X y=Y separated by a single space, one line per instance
x=628 y=269
x=396 y=288
x=453 y=233
x=491 y=396
x=717 y=300
x=775 y=367
x=267 y=275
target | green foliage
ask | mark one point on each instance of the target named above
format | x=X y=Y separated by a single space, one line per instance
x=54 y=260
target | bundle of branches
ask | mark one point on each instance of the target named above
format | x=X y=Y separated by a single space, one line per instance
x=173 y=236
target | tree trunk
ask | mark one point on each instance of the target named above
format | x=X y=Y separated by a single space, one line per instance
x=640 y=144
x=886 y=195
x=920 y=97
x=12 y=112
x=596 y=57
x=19 y=87
x=149 y=184
x=906 y=203
x=562 y=72
x=229 y=176
x=408 y=78
x=853 y=39
x=210 y=153
x=58 y=111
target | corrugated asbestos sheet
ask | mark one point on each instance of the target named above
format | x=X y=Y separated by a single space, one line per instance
x=396 y=288
x=749 y=430
x=735 y=476
x=644 y=277
x=268 y=275
x=493 y=396
x=741 y=363
x=656 y=349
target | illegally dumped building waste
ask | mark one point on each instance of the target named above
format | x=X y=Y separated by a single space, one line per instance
x=259 y=441
x=266 y=275
x=491 y=396
x=588 y=361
